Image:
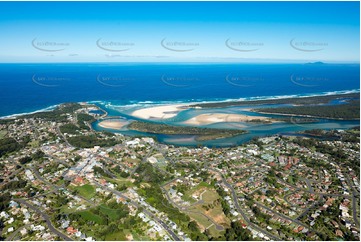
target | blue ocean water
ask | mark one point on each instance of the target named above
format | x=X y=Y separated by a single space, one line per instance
x=29 y=87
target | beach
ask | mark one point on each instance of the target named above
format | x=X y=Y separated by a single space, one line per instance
x=211 y=118
x=158 y=112
x=112 y=124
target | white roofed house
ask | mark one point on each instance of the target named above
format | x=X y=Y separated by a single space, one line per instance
x=152 y=160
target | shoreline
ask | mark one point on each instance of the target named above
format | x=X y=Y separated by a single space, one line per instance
x=192 y=103
x=112 y=124
x=212 y=118
x=158 y=112
x=305 y=116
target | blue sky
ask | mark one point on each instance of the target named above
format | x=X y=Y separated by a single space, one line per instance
x=190 y=31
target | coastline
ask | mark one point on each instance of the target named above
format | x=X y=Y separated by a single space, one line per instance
x=305 y=116
x=193 y=103
x=15 y=115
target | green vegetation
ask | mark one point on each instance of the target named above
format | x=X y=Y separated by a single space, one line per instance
x=203 y=133
x=8 y=145
x=148 y=174
x=37 y=155
x=69 y=129
x=270 y=179
x=87 y=191
x=14 y=185
x=110 y=220
x=225 y=207
x=154 y=196
x=336 y=153
x=299 y=101
x=351 y=135
x=4 y=201
x=100 y=171
x=25 y=160
x=3 y=133
x=90 y=216
x=347 y=111
x=237 y=232
x=83 y=119
x=7 y=121
x=57 y=115
x=89 y=141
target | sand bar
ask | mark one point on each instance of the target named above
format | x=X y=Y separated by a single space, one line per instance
x=211 y=118
x=158 y=112
x=112 y=124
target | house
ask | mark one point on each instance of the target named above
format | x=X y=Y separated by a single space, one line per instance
x=3 y=214
x=152 y=160
x=133 y=142
x=78 y=181
x=335 y=224
x=23 y=231
x=172 y=192
x=13 y=204
x=11 y=220
x=339 y=233
x=71 y=230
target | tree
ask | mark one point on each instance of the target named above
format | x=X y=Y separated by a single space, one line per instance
x=193 y=226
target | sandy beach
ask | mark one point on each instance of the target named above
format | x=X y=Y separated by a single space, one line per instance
x=158 y=112
x=112 y=124
x=211 y=118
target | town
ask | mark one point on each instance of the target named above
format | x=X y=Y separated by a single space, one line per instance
x=61 y=180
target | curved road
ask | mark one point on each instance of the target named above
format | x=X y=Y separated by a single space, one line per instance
x=46 y=218
x=150 y=214
x=186 y=209
x=245 y=218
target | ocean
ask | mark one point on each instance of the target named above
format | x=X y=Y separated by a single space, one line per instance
x=27 y=88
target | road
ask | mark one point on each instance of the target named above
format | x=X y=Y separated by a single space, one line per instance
x=305 y=212
x=46 y=218
x=355 y=195
x=13 y=174
x=284 y=216
x=57 y=188
x=309 y=185
x=245 y=218
x=187 y=209
x=286 y=198
x=150 y=214
x=13 y=234
x=63 y=136
x=143 y=160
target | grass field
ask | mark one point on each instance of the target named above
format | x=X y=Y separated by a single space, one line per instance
x=209 y=196
x=66 y=210
x=34 y=143
x=215 y=213
x=118 y=236
x=3 y=133
x=111 y=213
x=188 y=195
x=120 y=181
x=88 y=215
x=87 y=191
x=202 y=221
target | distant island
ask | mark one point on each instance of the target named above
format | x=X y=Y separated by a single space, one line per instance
x=315 y=63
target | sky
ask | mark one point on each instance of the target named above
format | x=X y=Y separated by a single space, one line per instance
x=179 y=31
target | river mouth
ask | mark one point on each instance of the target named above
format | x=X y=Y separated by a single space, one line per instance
x=232 y=117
